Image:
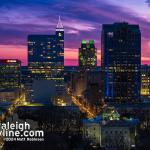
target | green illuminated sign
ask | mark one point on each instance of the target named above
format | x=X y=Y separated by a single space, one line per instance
x=83 y=41
x=91 y=41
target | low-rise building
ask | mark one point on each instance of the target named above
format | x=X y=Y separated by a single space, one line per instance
x=91 y=130
x=110 y=132
x=118 y=134
x=9 y=95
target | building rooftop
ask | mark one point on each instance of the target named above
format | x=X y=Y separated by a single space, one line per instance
x=121 y=123
x=142 y=105
x=4 y=106
x=10 y=61
x=9 y=90
x=72 y=108
x=120 y=25
x=97 y=119
x=77 y=68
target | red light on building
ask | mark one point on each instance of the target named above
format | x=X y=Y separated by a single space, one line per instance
x=11 y=61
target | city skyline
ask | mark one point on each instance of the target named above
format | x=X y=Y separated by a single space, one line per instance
x=18 y=20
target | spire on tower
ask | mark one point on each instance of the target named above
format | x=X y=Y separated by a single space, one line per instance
x=59 y=25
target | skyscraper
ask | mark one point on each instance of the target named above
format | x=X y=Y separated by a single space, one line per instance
x=87 y=54
x=145 y=81
x=46 y=54
x=10 y=77
x=46 y=59
x=121 y=61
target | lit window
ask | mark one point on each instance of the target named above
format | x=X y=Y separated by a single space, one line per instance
x=110 y=34
x=60 y=34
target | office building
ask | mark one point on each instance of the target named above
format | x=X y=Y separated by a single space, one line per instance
x=145 y=80
x=87 y=55
x=121 y=62
x=26 y=81
x=9 y=95
x=82 y=80
x=46 y=55
x=46 y=59
x=10 y=77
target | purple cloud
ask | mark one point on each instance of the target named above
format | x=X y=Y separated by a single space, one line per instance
x=148 y=1
x=81 y=19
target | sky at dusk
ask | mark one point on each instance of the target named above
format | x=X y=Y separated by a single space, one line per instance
x=82 y=19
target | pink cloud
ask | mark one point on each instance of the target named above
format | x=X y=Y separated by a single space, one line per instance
x=70 y=55
x=14 y=52
x=76 y=25
x=72 y=32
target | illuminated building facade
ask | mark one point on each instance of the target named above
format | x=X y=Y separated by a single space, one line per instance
x=92 y=130
x=111 y=134
x=46 y=57
x=145 y=80
x=121 y=62
x=26 y=80
x=9 y=95
x=110 y=113
x=87 y=54
x=119 y=134
x=10 y=77
x=82 y=82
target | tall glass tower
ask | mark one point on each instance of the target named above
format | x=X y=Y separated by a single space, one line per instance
x=121 y=62
x=46 y=55
x=46 y=62
x=87 y=54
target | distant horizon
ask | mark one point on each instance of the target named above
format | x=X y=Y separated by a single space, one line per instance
x=81 y=20
x=67 y=62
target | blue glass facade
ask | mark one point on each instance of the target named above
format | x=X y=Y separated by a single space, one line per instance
x=121 y=62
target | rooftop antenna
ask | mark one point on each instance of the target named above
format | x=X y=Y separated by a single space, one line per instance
x=60 y=26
